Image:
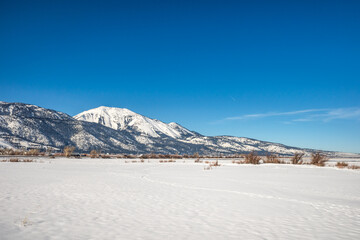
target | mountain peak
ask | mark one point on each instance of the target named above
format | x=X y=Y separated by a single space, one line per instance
x=125 y=119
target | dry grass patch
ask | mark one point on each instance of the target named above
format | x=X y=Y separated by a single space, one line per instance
x=341 y=164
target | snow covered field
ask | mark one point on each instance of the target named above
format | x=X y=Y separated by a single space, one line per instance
x=111 y=199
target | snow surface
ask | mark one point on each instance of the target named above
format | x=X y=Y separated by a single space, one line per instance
x=111 y=199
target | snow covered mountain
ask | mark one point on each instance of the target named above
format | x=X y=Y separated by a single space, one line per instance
x=117 y=130
x=124 y=119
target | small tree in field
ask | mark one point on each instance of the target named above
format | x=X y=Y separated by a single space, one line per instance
x=68 y=150
x=297 y=158
x=93 y=154
x=318 y=159
x=252 y=158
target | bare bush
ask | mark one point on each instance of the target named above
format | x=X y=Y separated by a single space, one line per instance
x=318 y=159
x=196 y=155
x=68 y=150
x=354 y=167
x=93 y=154
x=252 y=158
x=273 y=158
x=33 y=152
x=341 y=164
x=215 y=164
x=297 y=158
x=27 y=160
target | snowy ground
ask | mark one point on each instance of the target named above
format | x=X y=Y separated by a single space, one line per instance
x=111 y=199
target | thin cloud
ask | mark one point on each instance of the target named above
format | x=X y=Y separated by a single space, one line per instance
x=307 y=115
x=272 y=114
x=332 y=114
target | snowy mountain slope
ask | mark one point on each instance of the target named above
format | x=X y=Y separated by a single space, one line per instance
x=124 y=119
x=162 y=135
x=24 y=125
x=117 y=130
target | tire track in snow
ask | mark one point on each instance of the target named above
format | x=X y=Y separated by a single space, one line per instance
x=329 y=207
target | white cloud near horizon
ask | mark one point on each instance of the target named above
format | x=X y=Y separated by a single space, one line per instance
x=307 y=115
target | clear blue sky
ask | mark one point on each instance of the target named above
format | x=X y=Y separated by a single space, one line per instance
x=281 y=71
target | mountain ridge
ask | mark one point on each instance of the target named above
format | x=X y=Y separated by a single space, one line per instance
x=118 y=130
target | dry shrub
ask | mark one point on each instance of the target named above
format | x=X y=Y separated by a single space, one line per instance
x=18 y=160
x=252 y=158
x=196 y=155
x=341 y=164
x=93 y=154
x=354 y=167
x=273 y=158
x=215 y=164
x=105 y=156
x=27 y=160
x=142 y=160
x=318 y=159
x=161 y=161
x=134 y=161
x=197 y=160
x=12 y=152
x=297 y=158
x=33 y=152
x=68 y=150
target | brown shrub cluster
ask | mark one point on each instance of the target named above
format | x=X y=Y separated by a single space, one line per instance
x=94 y=154
x=341 y=164
x=297 y=158
x=354 y=167
x=252 y=158
x=68 y=150
x=160 y=156
x=18 y=160
x=21 y=152
x=273 y=158
x=318 y=159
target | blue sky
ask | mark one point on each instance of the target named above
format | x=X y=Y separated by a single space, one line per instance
x=281 y=71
